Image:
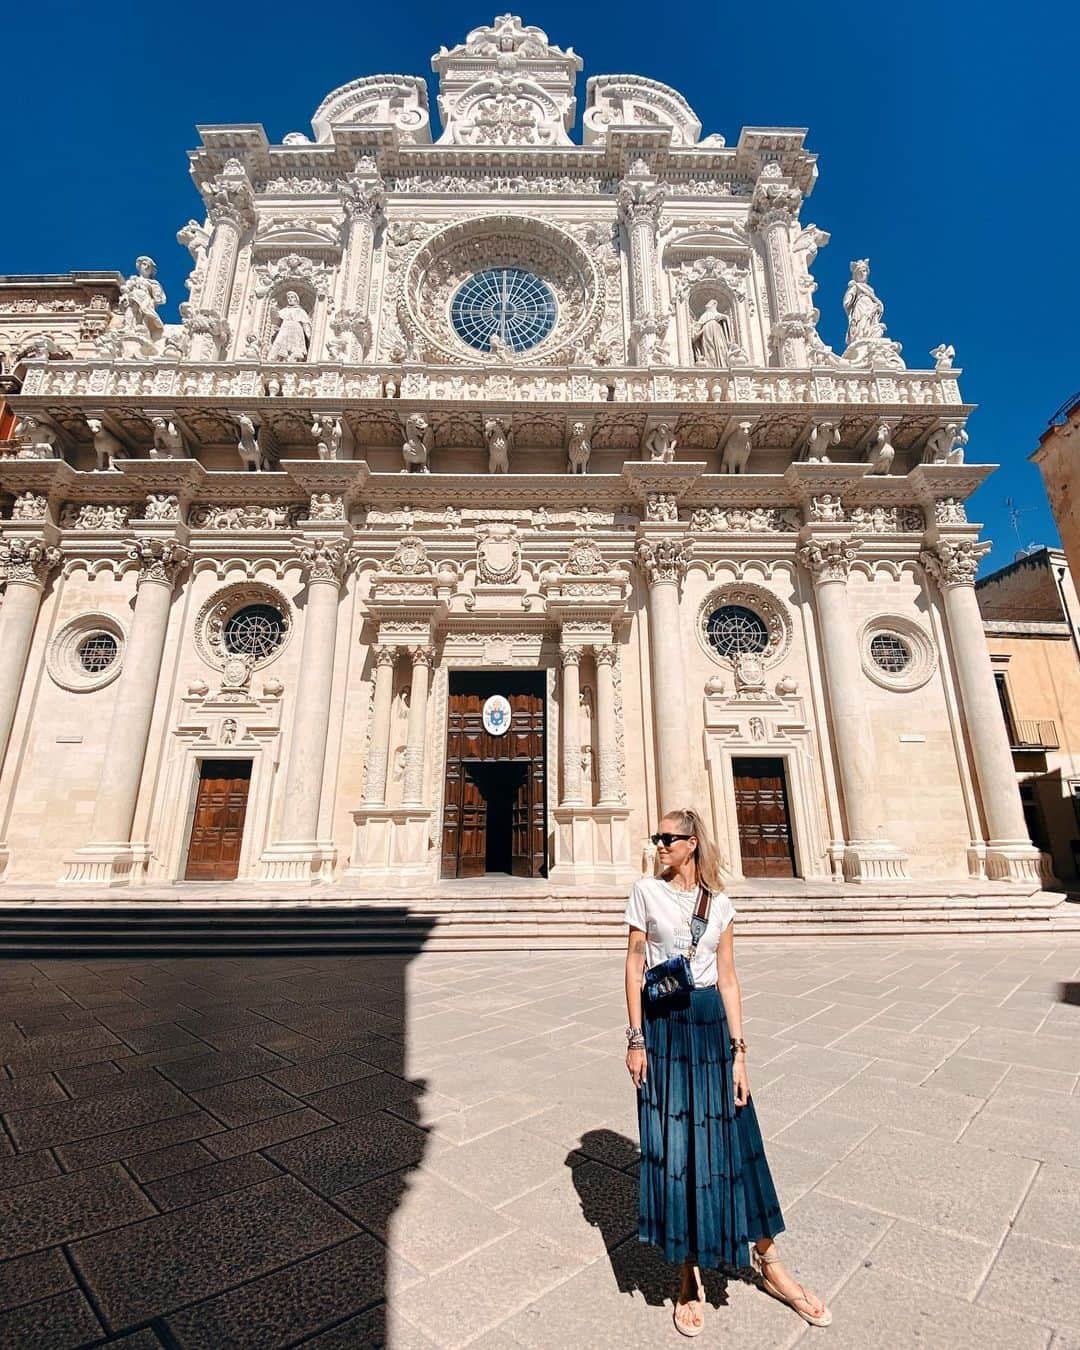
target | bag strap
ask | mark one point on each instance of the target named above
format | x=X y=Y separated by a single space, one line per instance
x=700 y=921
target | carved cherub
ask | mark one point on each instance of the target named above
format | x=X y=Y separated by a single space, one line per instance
x=661 y=443
x=500 y=441
x=168 y=440
x=946 y=444
x=252 y=455
x=737 y=449
x=107 y=447
x=578 y=448
x=943 y=356
x=418 y=445
x=881 y=452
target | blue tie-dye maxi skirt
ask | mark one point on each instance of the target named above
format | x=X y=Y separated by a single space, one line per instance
x=706 y=1189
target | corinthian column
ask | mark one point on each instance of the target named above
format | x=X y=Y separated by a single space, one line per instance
x=571 y=725
x=379 y=749
x=606 y=727
x=110 y=857
x=773 y=210
x=299 y=855
x=868 y=855
x=663 y=563
x=1010 y=853
x=422 y=658
x=363 y=198
x=26 y=564
x=230 y=204
x=640 y=199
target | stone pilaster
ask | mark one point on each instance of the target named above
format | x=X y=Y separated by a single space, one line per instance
x=571 y=725
x=299 y=855
x=773 y=210
x=422 y=658
x=230 y=205
x=363 y=199
x=1010 y=854
x=379 y=748
x=663 y=564
x=111 y=857
x=640 y=199
x=607 y=731
x=868 y=854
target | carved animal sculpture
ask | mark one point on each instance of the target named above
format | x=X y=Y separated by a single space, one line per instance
x=882 y=451
x=946 y=444
x=822 y=436
x=578 y=449
x=254 y=459
x=418 y=445
x=328 y=433
x=168 y=440
x=107 y=447
x=737 y=449
x=500 y=440
x=661 y=443
x=36 y=440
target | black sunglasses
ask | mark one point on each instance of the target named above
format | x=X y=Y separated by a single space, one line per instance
x=668 y=839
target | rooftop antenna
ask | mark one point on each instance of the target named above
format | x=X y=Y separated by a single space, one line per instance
x=1015 y=512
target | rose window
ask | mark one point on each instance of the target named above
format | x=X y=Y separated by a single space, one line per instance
x=503 y=307
x=733 y=630
x=255 y=631
x=890 y=652
x=97 y=652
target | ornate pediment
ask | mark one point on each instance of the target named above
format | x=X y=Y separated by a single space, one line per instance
x=633 y=101
x=400 y=101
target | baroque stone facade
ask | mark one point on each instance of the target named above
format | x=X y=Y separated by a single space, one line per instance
x=449 y=407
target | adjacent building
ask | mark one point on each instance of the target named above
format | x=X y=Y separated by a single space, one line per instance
x=495 y=493
x=1058 y=458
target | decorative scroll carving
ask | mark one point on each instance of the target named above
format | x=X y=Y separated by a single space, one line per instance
x=410 y=557
x=27 y=561
x=954 y=562
x=160 y=560
x=829 y=559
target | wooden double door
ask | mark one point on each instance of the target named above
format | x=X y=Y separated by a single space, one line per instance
x=494 y=803
x=217 y=830
x=761 y=807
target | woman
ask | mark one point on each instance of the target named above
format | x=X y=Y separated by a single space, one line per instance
x=706 y=1190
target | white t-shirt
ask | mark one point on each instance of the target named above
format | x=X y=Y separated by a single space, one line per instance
x=663 y=913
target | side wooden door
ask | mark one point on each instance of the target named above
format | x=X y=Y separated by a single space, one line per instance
x=217 y=830
x=761 y=805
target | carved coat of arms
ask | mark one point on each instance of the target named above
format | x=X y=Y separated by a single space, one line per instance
x=498 y=554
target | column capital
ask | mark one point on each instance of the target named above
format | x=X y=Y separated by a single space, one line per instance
x=229 y=197
x=324 y=559
x=569 y=655
x=605 y=653
x=954 y=562
x=160 y=560
x=385 y=656
x=774 y=202
x=27 y=561
x=363 y=197
x=829 y=559
x=422 y=655
x=662 y=559
x=640 y=199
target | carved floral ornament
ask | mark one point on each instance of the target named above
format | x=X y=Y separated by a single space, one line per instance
x=829 y=559
x=159 y=560
x=27 y=561
x=769 y=609
x=223 y=605
x=663 y=560
x=954 y=562
x=584 y=558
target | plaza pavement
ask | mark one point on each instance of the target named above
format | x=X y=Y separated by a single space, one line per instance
x=438 y=1150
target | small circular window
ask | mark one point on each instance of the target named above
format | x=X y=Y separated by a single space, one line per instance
x=504 y=307
x=733 y=630
x=890 y=652
x=255 y=631
x=97 y=652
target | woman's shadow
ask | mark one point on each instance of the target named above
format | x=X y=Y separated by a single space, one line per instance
x=605 y=1173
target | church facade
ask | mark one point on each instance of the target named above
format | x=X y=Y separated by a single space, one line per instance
x=494 y=494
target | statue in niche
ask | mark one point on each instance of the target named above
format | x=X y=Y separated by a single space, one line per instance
x=863 y=308
x=252 y=455
x=417 y=447
x=711 y=337
x=107 y=447
x=293 y=337
x=737 y=449
x=140 y=296
x=500 y=441
x=578 y=449
x=660 y=443
x=228 y=730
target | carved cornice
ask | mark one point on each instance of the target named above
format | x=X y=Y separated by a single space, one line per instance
x=160 y=560
x=662 y=560
x=27 y=561
x=829 y=559
x=954 y=562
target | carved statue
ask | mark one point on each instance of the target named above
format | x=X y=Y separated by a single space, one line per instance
x=737 y=449
x=419 y=443
x=946 y=444
x=579 y=448
x=328 y=433
x=943 y=356
x=863 y=308
x=822 y=436
x=168 y=440
x=498 y=348
x=661 y=506
x=107 y=447
x=196 y=239
x=140 y=296
x=661 y=443
x=35 y=439
x=500 y=441
x=826 y=507
x=711 y=337
x=253 y=457
x=293 y=337
x=881 y=452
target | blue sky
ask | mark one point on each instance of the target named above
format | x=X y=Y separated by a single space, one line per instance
x=947 y=136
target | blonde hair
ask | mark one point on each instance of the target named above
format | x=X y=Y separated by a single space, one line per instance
x=707 y=856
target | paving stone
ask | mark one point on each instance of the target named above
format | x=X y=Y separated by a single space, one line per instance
x=376 y=1092
x=316 y=1074
x=957 y=1187
x=26 y=1167
x=166 y=1162
x=382 y=1328
x=245 y=1101
x=973 y=1077
x=25 y=1279
x=44 y=1213
x=280 y=1308
x=207 y=1071
x=141 y=1139
x=921 y=1108
x=65 y=1320
x=90 y=1080
x=500 y=1166
x=250 y=1138
x=65 y=1122
x=1051 y=1209
x=944 y=1261
x=334 y=1160
x=914 y=1047
x=1014 y=1047
x=587 y=1209
x=151 y=1268
x=825 y=1134
x=203 y=1183
x=33 y=1090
